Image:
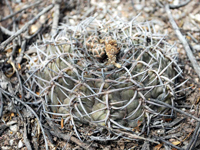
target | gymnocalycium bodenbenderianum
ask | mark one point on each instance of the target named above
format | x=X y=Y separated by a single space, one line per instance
x=104 y=72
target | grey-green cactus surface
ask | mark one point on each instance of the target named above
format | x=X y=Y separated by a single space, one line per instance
x=104 y=72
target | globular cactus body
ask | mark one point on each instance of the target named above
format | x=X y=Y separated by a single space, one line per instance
x=105 y=72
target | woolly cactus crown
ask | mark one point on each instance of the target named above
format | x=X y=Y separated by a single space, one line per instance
x=105 y=72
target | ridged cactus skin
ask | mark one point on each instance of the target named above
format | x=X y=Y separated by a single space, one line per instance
x=104 y=72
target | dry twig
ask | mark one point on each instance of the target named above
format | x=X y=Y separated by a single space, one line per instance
x=30 y=109
x=171 y=107
x=3 y=128
x=1 y=105
x=123 y=133
x=26 y=141
x=25 y=27
x=168 y=143
x=13 y=14
x=171 y=6
x=193 y=141
x=183 y=41
x=58 y=133
x=180 y=5
x=6 y=31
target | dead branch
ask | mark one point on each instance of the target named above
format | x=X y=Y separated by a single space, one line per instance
x=171 y=107
x=122 y=133
x=26 y=141
x=25 y=27
x=6 y=31
x=3 y=128
x=11 y=15
x=1 y=105
x=31 y=110
x=180 y=5
x=58 y=133
x=134 y=136
x=183 y=41
x=67 y=137
x=174 y=6
x=19 y=80
x=168 y=143
x=23 y=47
x=195 y=135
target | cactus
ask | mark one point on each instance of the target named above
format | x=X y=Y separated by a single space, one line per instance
x=104 y=72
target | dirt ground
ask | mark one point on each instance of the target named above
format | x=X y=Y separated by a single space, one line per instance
x=24 y=22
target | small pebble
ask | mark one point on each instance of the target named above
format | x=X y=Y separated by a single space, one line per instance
x=160 y=132
x=14 y=128
x=176 y=2
x=4 y=85
x=197 y=80
x=17 y=1
x=42 y=19
x=5 y=148
x=196 y=47
x=72 y=22
x=138 y=7
x=11 y=142
x=157 y=27
x=183 y=109
x=33 y=29
x=148 y=9
x=20 y=144
x=171 y=140
x=192 y=121
x=196 y=17
x=192 y=111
